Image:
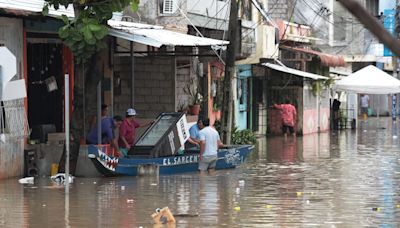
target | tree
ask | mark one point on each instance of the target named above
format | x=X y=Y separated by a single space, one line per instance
x=85 y=36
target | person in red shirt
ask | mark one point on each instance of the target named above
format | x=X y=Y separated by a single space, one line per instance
x=288 y=112
x=127 y=131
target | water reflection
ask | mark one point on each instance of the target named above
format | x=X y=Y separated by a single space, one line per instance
x=338 y=179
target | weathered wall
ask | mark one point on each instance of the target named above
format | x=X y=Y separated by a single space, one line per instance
x=280 y=9
x=154 y=82
x=184 y=71
x=311 y=121
x=149 y=12
x=12 y=146
x=11 y=158
x=11 y=36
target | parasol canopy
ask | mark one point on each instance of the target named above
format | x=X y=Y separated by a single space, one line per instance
x=369 y=80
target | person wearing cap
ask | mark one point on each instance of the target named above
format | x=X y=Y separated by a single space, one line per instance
x=127 y=131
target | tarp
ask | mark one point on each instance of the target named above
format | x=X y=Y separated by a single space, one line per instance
x=157 y=36
x=295 y=72
x=369 y=80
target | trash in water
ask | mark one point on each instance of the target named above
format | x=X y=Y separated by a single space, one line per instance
x=268 y=206
x=237 y=208
x=237 y=190
x=26 y=180
x=299 y=193
x=241 y=183
x=376 y=209
x=163 y=216
x=129 y=200
x=122 y=188
x=59 y=178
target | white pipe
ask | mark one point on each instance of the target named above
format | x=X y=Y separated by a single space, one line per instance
x=66 y=99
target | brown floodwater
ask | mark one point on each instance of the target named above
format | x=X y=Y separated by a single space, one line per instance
x=337 y=179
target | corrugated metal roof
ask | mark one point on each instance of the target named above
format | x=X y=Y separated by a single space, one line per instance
x=157 y=36
x=294 y=71
x=22 y=7
x=326 y=59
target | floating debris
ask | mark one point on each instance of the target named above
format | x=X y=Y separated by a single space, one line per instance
x=26 y=180
x=163 y=216
x=299 y=193
x=376 y=209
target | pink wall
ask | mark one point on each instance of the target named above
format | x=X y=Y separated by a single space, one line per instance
x=310 y=120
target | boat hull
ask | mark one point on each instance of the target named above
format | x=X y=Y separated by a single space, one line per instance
x=109 y=165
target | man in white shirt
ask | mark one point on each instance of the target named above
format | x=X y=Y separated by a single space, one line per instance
x=210 y=142
x=364 y=105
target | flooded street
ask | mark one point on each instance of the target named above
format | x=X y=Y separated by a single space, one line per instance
x=336 y=179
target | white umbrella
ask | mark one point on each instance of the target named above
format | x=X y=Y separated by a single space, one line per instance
x=369 y=80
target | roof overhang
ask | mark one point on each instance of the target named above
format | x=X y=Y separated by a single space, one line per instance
x=295 y=72
x=32 y=8
x=326 y=59
x=157 y=36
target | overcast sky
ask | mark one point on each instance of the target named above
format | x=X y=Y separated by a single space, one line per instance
x=386 y=4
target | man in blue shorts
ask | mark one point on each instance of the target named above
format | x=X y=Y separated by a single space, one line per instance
x=210 y=142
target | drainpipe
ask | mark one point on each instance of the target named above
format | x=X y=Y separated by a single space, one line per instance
x=99 y=113
x=319 y=112
x=132 y=75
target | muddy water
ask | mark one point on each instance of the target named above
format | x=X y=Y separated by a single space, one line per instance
x=338 y=179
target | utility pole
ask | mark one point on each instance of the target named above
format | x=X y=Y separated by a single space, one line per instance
x=372 y=24
x=230 y=71
x=395 y=59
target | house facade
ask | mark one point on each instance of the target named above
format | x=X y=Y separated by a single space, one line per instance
x=41 y=58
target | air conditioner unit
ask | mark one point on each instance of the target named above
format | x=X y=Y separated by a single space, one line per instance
x=169 y=7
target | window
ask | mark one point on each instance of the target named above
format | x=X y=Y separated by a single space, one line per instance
x=340 y=28
x=168 y=6
x=245 y=10
x=373 y=7
x=242 y=94
x=2 y=119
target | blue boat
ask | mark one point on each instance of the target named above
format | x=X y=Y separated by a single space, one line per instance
x=136 y=165
x=158 y=151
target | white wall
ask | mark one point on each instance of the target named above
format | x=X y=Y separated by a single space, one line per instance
x=209 y=8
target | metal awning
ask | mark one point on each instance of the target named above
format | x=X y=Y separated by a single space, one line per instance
x=157 y=36
x=294 y=71
x=326 y=59
x=32 y=7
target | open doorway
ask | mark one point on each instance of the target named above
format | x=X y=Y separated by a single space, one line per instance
x=45 y=83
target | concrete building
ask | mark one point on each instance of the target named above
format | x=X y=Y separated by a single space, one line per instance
x=339 y=32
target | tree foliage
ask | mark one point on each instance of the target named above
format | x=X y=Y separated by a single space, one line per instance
x=85 y=33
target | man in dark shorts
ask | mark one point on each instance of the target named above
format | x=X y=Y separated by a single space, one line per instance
x=288 y=113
